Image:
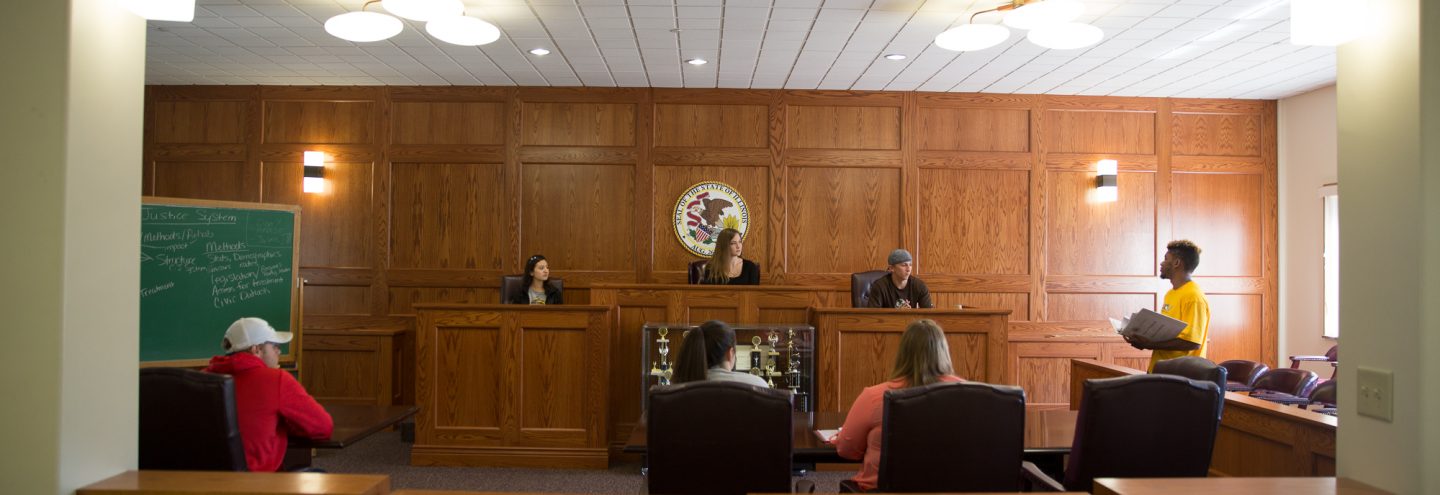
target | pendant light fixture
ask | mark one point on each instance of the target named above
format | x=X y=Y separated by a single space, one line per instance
x=444 y=19
x=362 y=26
x=1050 y=23
x=462 y=30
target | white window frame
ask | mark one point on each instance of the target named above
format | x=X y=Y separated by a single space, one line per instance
x=1330 y=248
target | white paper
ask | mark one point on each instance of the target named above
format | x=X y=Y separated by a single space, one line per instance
x=827 y=435
x=1149 y=325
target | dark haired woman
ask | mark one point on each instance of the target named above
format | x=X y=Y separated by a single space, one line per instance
x=708 y=353
x=923 y=359
x=536 y=287
x=726 y=267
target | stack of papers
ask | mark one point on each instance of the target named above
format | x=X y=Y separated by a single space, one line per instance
x=1149 y=325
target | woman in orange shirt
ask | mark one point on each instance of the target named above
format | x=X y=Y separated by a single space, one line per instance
x=923 y=359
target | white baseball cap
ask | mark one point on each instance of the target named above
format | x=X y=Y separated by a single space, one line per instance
x=250 y=332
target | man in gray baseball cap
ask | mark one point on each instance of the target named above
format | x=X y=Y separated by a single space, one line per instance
x=899 y=290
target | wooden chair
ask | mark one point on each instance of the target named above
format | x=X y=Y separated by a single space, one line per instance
x=979 y=427
x=713 y=437
x=860 y=286
x=1241 y=374
x=188 y=421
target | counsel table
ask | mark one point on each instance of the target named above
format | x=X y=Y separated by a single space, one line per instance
x=353 y=422
x=1236 y=486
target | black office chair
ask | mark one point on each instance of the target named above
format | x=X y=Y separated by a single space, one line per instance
x=1194 y=368
x=513 y=284
x=979 y=427
x=188 y=421
x=1139 y=426
x=860 y=286
x=696 y=271
x=713 y=437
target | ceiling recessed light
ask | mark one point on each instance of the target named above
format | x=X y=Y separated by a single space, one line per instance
x=894 y=56
x=696 y=61
x=539 y=51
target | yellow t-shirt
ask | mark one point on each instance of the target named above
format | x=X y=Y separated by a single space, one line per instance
x=1186 y=304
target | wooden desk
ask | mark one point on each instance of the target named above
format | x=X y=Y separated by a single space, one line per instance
x=353 y=422
x=211 y=483
x=1233 y=486
x=857 y=346
x=512 y=385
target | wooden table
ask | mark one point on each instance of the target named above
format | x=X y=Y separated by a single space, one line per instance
x=353 y=422
x=208 y=482
x=1233 y=486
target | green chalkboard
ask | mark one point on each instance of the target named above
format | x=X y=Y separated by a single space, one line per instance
x=204 y=264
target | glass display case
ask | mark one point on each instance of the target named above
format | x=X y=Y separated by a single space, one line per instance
x=782 y=355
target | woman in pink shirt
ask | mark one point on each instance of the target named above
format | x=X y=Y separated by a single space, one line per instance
x=923 y=359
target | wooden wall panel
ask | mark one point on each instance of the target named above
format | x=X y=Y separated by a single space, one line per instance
x=337 y=300
x=1073 y=131
x=974 y=129
x=470 y=385
x=753 y=183
x=1068 y=307
x=198 y=122
x=1017 y=303
x=842 y=220
x=976 y=222
x=201 y=180
x=447 y=215
x=318 y=122
x=579 y=216
x=1216 y=134
x=404 y=299
x=851 y=128
x=554 y=378
x=457 y=122
x=1091 y=238
x=724 y=126
x=337 y=225
x=1221 y=213
x=1234 y=326
x=578 y=124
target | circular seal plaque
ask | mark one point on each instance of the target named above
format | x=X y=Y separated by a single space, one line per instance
x=705 y=209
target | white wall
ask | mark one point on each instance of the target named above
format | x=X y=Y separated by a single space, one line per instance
x=1308 y=160
x=1390 y=244
x=72 y=102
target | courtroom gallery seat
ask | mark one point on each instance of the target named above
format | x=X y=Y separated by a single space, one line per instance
x=713 y=437
x=860 y=286
x=1331 y=356
x=1242 y=374
x=1288 y=381
x=952 y=437
x=513 y=284
x=1194 y=368
x=188 y=421
x=1140 y=426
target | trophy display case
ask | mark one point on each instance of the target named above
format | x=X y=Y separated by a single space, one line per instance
x=782 y=355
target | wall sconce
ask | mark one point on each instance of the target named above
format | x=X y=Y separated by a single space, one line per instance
x=314 y=172
x=1107 y=188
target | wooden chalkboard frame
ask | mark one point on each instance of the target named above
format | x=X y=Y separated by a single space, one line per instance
x=291 y=358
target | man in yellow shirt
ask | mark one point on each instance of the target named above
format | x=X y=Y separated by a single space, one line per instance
x=1183 y=302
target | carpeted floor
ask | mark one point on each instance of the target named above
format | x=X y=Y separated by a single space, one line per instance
x=384 y=453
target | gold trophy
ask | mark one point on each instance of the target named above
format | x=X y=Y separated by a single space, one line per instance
x=756 y=367
x=663 y=347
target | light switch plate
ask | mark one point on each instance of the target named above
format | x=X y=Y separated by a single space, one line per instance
x=1375 y=393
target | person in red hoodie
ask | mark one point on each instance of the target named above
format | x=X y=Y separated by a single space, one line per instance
x=269 y=403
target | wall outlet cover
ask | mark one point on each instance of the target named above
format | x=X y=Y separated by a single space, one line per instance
x=1375 y=393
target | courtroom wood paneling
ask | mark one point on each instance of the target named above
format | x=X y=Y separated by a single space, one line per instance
x=842 y=220
x=404 y=299
x=753 y=183
x=977 y=221
x=336 y=226
x=1216 y=134
x=1221 y=213
x=447 y=122
x=974 y=129
x=337 y=300
x=554 y=385
x=579 y=216
x=1065 y=307
x=1017 y=303
x=466 y=386
x=1076 y=131
x=318 y=122
x=839 y=127
x=578 y=124
x=879 y=348
x=447 y=215
x=1086 y=237
x=1043 y=369
x=1234 y=326
x=195 y=122
x=723 y=126
x=202 y=180
x=339 y=376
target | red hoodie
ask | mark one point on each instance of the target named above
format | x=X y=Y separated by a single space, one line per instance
x=270 y=406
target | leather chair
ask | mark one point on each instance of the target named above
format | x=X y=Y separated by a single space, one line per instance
x=696 y=272
x=1288 y=381
x=188 y=421
x=1194 y=368
x=1139 y=426
x=513 y=284
x=979 y=427
x=713 y=437
x=1242 y=374
x=1324 y=394
x=1331 y=356
x=860 y=285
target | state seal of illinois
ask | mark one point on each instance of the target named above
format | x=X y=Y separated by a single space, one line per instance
x=705 y=209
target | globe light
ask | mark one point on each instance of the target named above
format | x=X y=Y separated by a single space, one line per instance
x=362 y=27
x=462 y=30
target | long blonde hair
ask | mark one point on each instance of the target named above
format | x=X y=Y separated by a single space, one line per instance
x=924 y=356
x=716 y=270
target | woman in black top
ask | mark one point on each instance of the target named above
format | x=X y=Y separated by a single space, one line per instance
x=726 y=267
x=536 y=288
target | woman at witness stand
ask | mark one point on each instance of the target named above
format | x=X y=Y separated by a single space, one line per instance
x=537 y=288
x=923 y=359
x=708 y=353
x=726 y=267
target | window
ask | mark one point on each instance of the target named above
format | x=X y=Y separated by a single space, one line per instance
x=1331 y=198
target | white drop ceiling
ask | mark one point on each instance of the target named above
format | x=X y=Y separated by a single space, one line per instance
x=1153 y=48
